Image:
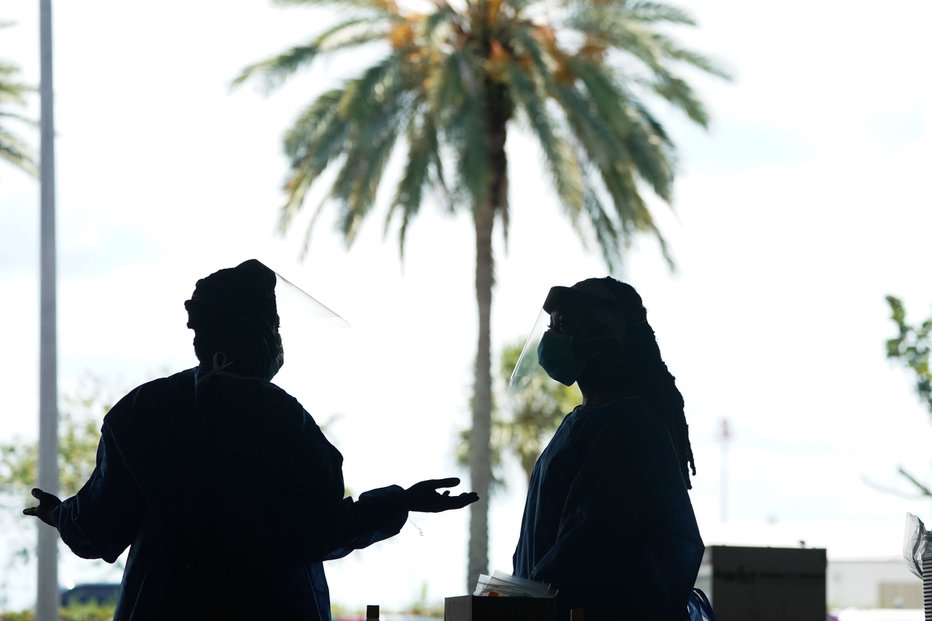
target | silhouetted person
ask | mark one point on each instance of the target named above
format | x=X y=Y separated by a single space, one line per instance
x=608 y=520
x=222 y=484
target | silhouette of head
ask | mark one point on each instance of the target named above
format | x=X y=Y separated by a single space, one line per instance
x=233 y=313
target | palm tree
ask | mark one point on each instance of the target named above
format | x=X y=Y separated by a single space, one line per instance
x=449 y=86
x=12 y=96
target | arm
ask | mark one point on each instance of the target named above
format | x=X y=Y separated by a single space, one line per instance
x=330 y=526
x=603 y=516
x=102 y=519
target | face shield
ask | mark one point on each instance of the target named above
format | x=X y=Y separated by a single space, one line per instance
x=286 y=318
x=313 y=338
x=585 y=314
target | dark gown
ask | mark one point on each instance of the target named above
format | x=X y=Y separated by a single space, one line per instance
x=229 y=496
x=608 y=520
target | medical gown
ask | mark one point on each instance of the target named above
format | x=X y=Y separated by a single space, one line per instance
x=229 y=497
x=608 y=520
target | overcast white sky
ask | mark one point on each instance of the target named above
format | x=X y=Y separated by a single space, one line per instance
x=804 y=205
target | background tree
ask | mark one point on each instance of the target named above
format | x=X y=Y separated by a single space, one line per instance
x=79 y=433
x=452 y=81
x=911 y=347
x=13 y=94
x=523 y=418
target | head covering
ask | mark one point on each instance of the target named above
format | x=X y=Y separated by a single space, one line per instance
x=245 y=292
x=618 y=296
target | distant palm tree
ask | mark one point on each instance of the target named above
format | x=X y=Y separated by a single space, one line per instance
x=13 y=96
x=577 y=74
x=524 y=417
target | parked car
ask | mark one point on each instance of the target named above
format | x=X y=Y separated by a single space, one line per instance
x=91 y=593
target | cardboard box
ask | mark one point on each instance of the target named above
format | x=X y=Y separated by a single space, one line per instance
x=473 y=608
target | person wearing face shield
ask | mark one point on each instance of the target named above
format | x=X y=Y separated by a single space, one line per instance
x=224 y=488
x=608 y=519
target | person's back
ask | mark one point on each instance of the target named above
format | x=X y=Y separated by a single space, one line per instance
x=226 y=491
x=216 y=468
x=607 y=518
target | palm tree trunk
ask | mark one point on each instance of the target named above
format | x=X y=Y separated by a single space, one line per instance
x=480 y=463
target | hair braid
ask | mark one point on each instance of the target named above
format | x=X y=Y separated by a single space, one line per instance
x=644 y=362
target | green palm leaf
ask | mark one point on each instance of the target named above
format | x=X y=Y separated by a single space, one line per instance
x=13 y=96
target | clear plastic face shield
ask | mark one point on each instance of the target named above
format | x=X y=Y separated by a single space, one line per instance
x=313 y=338
x=302 y=336
x=577 y=312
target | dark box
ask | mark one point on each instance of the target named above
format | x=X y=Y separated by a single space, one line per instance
x=473 y=608
x=764 y=584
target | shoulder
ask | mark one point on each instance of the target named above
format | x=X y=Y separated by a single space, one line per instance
x=151 y=391
x=630 y=423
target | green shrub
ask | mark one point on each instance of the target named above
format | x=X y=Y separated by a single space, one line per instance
x=75 y=612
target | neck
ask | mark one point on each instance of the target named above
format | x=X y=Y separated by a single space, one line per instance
x=603 y=388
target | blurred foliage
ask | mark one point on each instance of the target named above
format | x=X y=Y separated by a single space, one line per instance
x=524 y=418
x=80 y=417
x=75 y=612
x=420 y=607
x=13 y=98
x=911 y=347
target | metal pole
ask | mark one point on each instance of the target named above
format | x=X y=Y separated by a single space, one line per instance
x=47 y=543
x=723 y=493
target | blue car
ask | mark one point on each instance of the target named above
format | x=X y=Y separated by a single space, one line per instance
x=91 y=593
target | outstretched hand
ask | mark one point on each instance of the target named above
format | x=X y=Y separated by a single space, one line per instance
x=47 y=504
x=423 y=496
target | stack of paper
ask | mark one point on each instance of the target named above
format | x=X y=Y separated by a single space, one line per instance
x=500 y=584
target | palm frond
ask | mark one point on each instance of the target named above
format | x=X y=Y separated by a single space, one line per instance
x=278 y=68
x=19 y=118
x=459 y=111
x=317 y=138
x=385 y=6
x=376 y=105
x=445 y=86
x=349 y=33
x=679 y=93
x=633 y=34
x=422 y=143
x=443 y=15
x=12 y=91
x=641 y=140
x=697 y=60
x=655 y=12
x=591 y=131
x=603 y=230
x=15 y=152
x=565 y=169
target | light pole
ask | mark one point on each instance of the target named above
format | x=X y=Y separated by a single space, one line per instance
x=47 y=541
x=725 y=437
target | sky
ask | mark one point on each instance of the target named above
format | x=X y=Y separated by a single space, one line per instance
x=803 y=205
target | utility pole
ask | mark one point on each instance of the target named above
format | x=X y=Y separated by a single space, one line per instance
x=47 y=541
x=725 y=438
